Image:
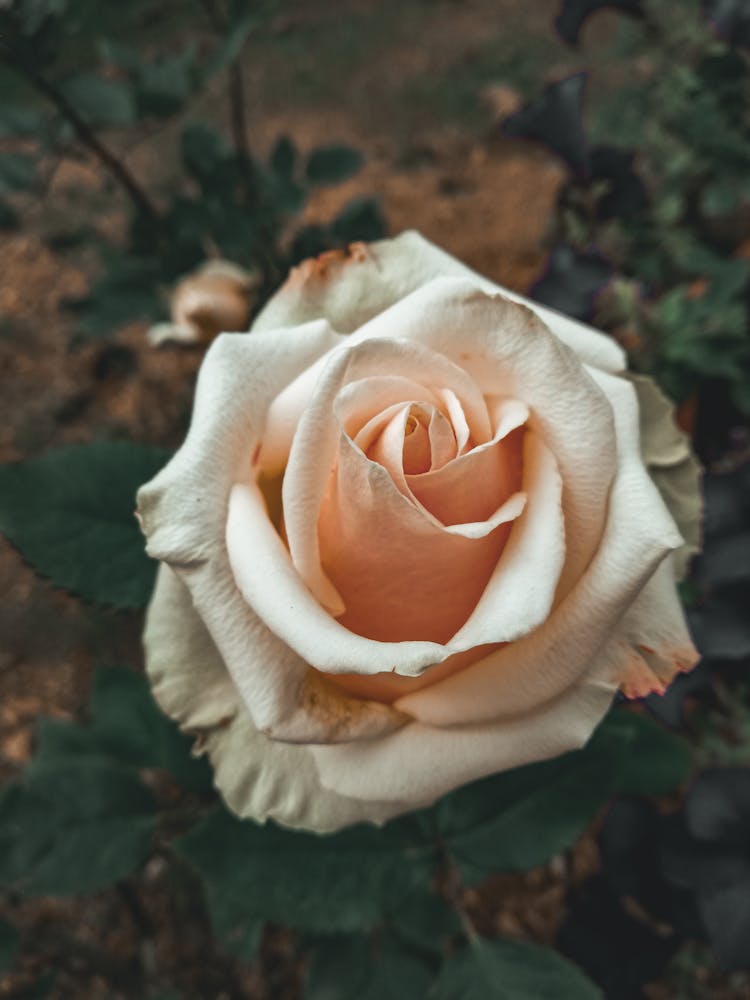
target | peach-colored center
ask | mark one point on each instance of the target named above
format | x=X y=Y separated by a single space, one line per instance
x=390 y=527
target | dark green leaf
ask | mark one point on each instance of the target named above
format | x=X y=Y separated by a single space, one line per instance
x=332 y=164
x=204 y=152
x=17 y=172
x=511 y=970
x=521 y=818
x=73 y=827
x=658 y=761
x=59 y=739
x=360 y=219
x=340 y=882
x=425 y=920
x=35 y=12
x=555 y=118
x=9 y=941
x=284 y=157
x=71 y=514
x=343 y=968
x=8 y=217
x=163 y=86
x=16 y=120
x=128 y=724
x=100 y=101
x=125 y=294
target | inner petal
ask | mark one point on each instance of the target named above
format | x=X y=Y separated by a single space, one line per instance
x=400 y=573
x=416 y=438
x=416 y=452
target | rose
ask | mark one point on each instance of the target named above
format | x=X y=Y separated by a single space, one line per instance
x=410 y=540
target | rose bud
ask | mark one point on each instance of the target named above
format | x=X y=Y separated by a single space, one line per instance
x=213 y=298
x=414 y=537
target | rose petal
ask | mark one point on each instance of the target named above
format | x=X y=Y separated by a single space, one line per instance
x=468 y=488
x=655 y=626
x=519 y=594
x=639 y=534
x=401 y=574
x=419 y=763
x=270 y=584
x=507 y=351
x=350 y=288
x=183 y=511
x=313 y=452
x=673 y=466
x=257 y=776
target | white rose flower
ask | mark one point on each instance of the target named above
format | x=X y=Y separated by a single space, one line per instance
x=411 y=540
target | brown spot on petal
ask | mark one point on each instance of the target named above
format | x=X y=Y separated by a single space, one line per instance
x=322 y=267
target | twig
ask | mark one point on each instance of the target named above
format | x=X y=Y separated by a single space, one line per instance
x=237 y=111
x=238 y=119
x=85 y=134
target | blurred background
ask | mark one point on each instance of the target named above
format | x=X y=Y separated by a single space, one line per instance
x=593 y=155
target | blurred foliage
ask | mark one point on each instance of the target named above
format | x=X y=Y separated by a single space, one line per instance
x=654 y=224
x=80 y=78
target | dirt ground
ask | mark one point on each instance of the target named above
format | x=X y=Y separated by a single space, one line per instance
x=415 y=85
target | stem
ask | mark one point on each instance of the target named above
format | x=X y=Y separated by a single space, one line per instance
x=237 y=111
x=220 y=24
x=85 y=133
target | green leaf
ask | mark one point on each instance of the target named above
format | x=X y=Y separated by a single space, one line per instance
x=231 y=45
x=425 y=920
x=359 y=219
x=164 y=85
x=9 y=941
x=17 y=172
x=126 y=293
x=658 y=761
x=204 y=152
x=521 y=818
x=74 y=827
x=9 y=218
x=100 y=101
x=34 y=13
x=71 y=514
x=336 y=883
x=343 y=968
x=511 y=970
x=128 y=724
x=332 y=164
x=17 y=120
x=58 y=739
x=284 y=157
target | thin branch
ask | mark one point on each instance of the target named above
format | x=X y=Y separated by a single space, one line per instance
x=85 y=133
x=238 y=119
x=237 y=111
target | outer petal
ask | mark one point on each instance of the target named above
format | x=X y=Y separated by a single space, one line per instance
x=349 y=288
x=655 y=628
x=305 y=786
x=421 y=762
x=639 y=535
x=257 y=776
x=183 y=512
x=672 y=464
